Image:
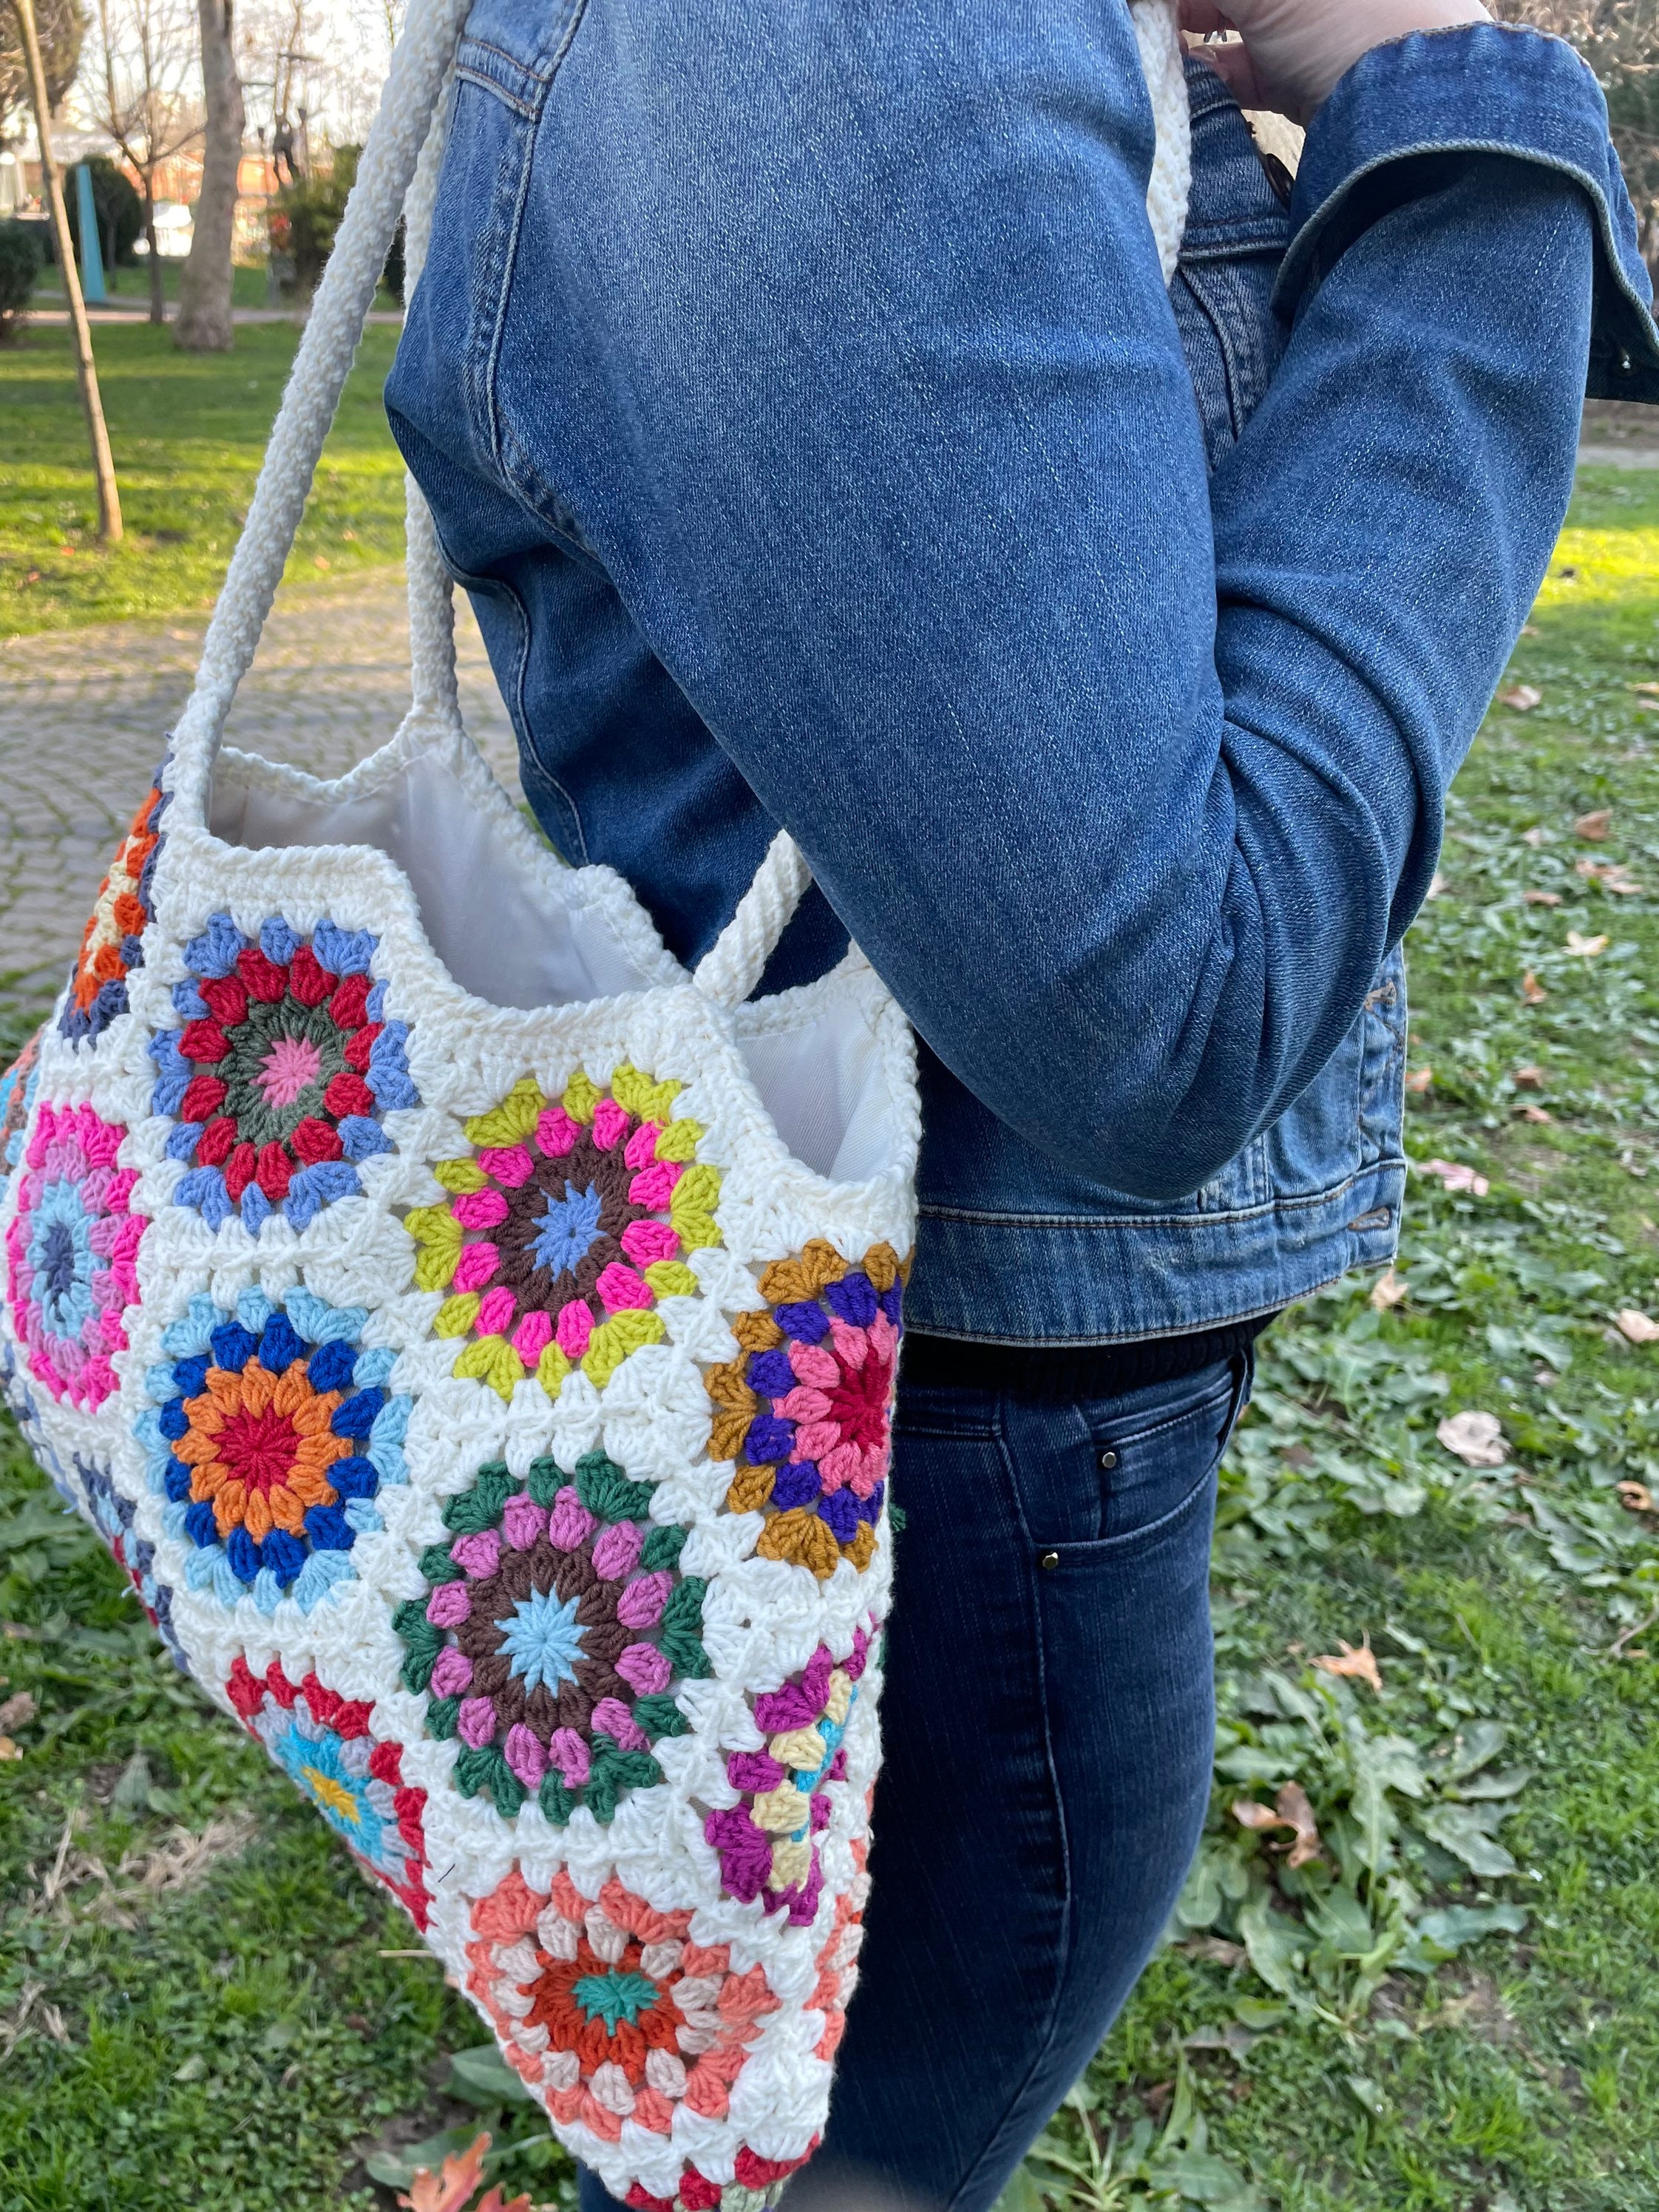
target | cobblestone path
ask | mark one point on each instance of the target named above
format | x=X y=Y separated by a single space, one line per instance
x=84 y=714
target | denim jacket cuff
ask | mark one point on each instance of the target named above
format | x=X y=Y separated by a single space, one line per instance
x=1408 y=108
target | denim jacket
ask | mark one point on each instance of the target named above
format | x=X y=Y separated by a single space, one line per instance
x=795 y=388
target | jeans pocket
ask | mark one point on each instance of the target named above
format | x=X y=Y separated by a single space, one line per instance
x=1149 y=1465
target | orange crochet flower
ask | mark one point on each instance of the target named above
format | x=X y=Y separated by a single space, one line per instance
x=258 y=1447
x=609 y=2009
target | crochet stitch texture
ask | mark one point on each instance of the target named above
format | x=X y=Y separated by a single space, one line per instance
x=488 y=1407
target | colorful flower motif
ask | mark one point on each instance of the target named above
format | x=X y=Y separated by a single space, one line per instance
x=271 y=1432
x=282 y=1073
x=112 y=1517
x=807 y=1411
x=556 y=1627
x=608 y=2008
x=563 y=1228
x=112 y=946
x=17 y=1087
x=71 y=1249
x=757 y=2183
x=768 y=1844
x=838 y=1961
x=322 y=1740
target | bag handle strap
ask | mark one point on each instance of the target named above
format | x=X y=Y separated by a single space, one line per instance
x=732 y=966
x=431 y=587
x=420 y=63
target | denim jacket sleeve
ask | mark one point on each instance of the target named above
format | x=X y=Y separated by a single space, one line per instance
x=843 y=383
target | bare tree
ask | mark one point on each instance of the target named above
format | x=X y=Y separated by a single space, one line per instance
x=204 y=324
x=147 y=100
x=59 y=25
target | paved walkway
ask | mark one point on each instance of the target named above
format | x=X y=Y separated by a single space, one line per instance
x=84 y=714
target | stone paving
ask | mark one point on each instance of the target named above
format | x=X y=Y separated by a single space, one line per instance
x=84 y=714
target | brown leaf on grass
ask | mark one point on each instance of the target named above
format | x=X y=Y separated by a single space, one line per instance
x=1389 y=1290
x=1530 y=1077
x=1455 y=1176
x=1638 y=1327
x=1418 y=1081
x=1358 y=1666
x=1475 y=1438
x=1438 y=886
x=1635 y=1497
x=1532 y=991
x=9 y=1749
x=1292 y=1811
x=1522 y=697
x=1535 y=836
x=1595 y=825
x=1537 y=1114
x=1541 y=898
x=17 y=1712
x=1587 y=948
x=1613 y=876
x=1216 y=1949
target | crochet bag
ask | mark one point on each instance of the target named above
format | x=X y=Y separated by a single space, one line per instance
x=475 y=1337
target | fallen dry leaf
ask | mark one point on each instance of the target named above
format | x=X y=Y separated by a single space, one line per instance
x=1532 y=991
x=1523 y=697
x=1215 y=1949
x=1594 y=826
x=1636 y=1326
x=17 y=1712
x=1635 y=1497
x=1358 y=1666
x=1537 y=1114
x=1389 y=1290
x=1292 y=1811
x=1612 y=876
x=9 y=1749
x=448 y=2191
x=1419 y=1079
x=1647 y=691
x=1455 y=1176
x=1587 y=948
x=1475 y=1438
x=1530 y=1077
x=1439 y=887
x=1535 y=836
x=1541 y=898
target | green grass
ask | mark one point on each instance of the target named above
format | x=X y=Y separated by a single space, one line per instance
x=187 y=432
x=1343 y=2039
x=248 y=287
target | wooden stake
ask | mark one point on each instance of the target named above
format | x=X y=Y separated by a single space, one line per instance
x=109 y=500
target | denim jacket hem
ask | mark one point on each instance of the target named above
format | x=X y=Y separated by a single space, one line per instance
x=1028 y=1279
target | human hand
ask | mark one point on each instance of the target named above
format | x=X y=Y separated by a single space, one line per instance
x=1294 y=51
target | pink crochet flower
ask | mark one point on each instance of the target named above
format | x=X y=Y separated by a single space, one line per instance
x=72 y=1249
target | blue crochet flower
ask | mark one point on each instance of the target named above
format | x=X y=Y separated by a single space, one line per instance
x=270 y=1434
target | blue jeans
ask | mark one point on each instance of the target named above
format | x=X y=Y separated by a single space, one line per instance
x=1048 y=1722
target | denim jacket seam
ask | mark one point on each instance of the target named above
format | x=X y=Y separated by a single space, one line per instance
x=1293 y=274
x=1280 y=1202
x=491 y=364
x=1264 y=1311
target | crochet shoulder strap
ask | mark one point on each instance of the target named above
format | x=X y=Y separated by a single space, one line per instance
x=398 y=172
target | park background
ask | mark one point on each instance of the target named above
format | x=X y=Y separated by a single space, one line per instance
x=1418 y=1963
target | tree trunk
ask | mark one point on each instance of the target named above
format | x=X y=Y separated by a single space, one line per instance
x=157 y=298
x=204 y=318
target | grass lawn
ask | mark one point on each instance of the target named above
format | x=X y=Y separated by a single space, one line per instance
x=1452 y=2001
x=130 y=286
x=188 y=432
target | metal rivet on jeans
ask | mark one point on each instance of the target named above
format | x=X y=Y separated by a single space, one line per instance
x=1107 y=1462
x=1048 y=1560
